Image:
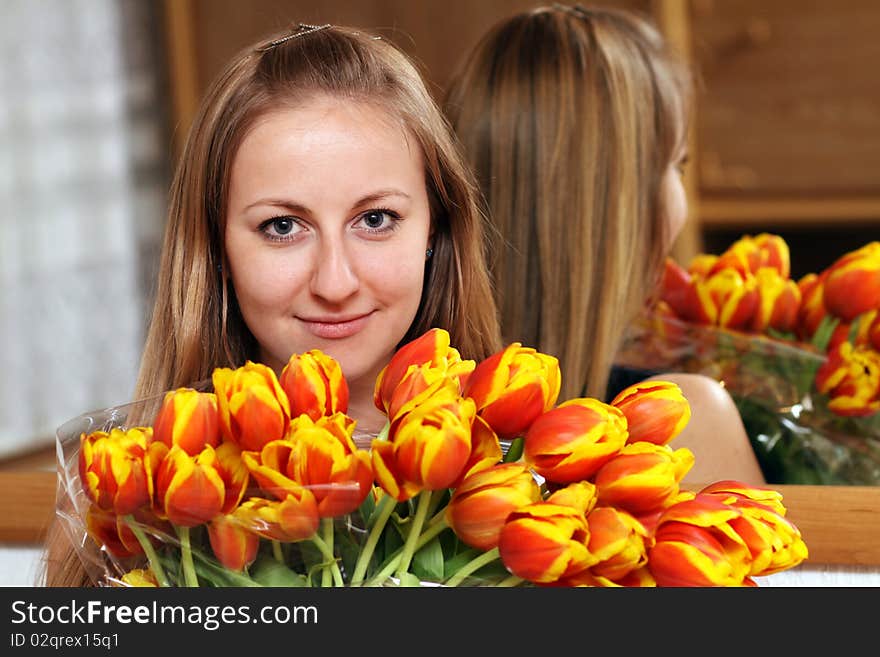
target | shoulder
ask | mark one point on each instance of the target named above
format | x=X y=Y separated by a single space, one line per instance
x=700 y=390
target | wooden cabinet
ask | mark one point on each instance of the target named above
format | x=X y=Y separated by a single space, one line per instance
x=788 y=123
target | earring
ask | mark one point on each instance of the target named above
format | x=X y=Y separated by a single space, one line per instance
x=428 y=254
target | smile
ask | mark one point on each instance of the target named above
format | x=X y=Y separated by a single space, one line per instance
x=335 y=329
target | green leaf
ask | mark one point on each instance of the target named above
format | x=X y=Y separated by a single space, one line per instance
x=823 y=332
x=514 y=452
x=267 y=571
x=410 y=580
x=428 y=562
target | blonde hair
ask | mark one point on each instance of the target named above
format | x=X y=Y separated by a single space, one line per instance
x=571 y=117
x=196 y=325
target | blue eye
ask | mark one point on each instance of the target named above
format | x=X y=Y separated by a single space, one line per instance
x=279 y=227
x=379 y=220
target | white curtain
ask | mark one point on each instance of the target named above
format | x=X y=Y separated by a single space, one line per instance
x=81 y=194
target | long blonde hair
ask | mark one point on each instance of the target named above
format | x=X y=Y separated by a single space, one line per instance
x=571 y=117
x=195 y=324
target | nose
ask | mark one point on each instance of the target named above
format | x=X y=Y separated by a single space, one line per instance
x=333 y=277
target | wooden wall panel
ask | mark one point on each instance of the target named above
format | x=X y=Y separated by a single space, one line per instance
x=791 y=100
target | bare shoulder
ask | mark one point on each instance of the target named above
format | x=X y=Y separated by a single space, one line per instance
x=701 y=391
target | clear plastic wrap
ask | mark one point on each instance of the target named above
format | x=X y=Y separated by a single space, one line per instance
x=796 y=437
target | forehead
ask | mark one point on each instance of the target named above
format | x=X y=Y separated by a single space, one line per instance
x=349 y=140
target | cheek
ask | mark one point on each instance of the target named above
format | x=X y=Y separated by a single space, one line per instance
x=675 y=207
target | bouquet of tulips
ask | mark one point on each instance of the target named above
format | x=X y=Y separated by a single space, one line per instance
x=479 y=478
x=799 y=357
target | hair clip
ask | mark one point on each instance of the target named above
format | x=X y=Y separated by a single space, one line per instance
x=301 y=30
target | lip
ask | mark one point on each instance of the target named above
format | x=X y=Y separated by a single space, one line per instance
x=335 y=328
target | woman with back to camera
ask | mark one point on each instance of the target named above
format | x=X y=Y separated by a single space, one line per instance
x=320 y=202
x=575 y=120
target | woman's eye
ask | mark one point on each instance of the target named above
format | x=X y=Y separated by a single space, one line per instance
x=378 y=220
x=278 y=227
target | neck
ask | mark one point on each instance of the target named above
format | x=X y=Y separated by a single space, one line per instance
x=361 y=408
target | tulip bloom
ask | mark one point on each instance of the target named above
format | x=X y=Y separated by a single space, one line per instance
x=481 y=504
x=779 y=302
x=581 y=496
x=112 y=532
x=728 y=298
x=189 y=490
x=572 y=441
x=620 y=543
x=513 y=387
x=812 y=309
x=188 y=418
x=318 y=455
x=314 y=385
x=112 y=469
x=234 y=546
x=295 y=518
x=851 y=378
x=852 y=283
x=695 y=545
x=545 y=543
x=775 y=544
x=430 y=349
x=427 y=448
x=679 y=292
x=254 y=409
x=643 y=476
x=656 y=411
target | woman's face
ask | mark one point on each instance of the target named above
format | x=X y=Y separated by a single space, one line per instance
x=326 y=232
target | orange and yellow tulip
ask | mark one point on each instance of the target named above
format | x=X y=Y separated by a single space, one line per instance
x=318 y=455
x=188 y=418
x=191 y=490
x=850 y=376
x=513 y=387
x=431 y=349
x=779 y=302
x=620 y=543
x=852 y=283
x=254 y=409
x=295 y=518
x=112 y=532
x=775 y=544
x=656 y=411
x=694 y=545
x=572 y=441
x=314 y=385
x=728 y=298
x=112 y=468
x=427 y=448
x=812 y=308
x=481 y=503
x=545 y=543
x=678 y=290
x=234 y=546
x=643 y=477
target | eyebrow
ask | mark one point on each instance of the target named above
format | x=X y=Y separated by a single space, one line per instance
x=297 y=207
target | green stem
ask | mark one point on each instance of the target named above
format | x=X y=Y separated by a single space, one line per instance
x=473 y=565
x=327 y=550
x=409 y=548
x=147 y=546
x=186 y=559
x=327 y=531
x=381 y=515
x=438 y=524
x=276 y=551
x=513 y=580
